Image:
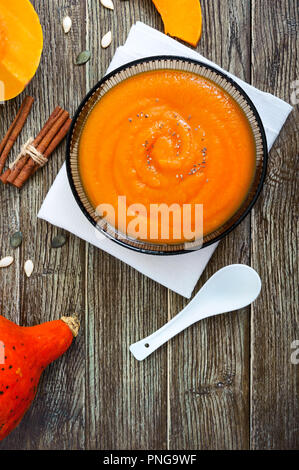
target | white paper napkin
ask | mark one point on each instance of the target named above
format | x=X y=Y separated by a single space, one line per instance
x=177 y=272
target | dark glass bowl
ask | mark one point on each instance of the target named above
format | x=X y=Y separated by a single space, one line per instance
x=160 y=63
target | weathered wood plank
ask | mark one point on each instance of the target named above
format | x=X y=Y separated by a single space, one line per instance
x=275 y=320
x=208 y=363
x=56 y=419
x=125 y=399
x=9 y=223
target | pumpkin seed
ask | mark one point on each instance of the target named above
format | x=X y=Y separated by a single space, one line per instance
x=28 y=267
x=83 y=57
x=106 y=40
x=58 y=241
x=16 y=239
x=7 y=261
x=67 y=24
x=108 y=4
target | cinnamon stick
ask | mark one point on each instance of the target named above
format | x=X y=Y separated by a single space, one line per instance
x=5 y=138
x=56 y=141
x=58 y=138
x=5 y=175
x=10 y=174
x=54 y=132
x=15 y=129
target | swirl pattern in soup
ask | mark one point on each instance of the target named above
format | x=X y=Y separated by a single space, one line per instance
x=167 y=137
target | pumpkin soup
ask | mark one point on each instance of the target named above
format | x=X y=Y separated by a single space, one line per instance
x=168 y=138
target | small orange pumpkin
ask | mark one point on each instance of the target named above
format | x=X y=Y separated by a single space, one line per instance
x=25 y=353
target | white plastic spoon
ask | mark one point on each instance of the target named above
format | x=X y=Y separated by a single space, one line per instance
x=230 y=288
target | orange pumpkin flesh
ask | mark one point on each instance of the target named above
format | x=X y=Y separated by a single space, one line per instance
x=160 y=125
x=27 y=352
x=21 y=44
x=182 y=19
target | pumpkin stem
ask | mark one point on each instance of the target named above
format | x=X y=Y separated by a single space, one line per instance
x=73 y=323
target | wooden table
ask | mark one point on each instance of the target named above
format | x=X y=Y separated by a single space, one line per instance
x=225 y=383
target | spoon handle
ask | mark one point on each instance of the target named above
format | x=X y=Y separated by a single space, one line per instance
x=180 y=322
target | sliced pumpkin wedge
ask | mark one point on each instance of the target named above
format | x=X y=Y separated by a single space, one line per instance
x=182 y=19
x=21 y=44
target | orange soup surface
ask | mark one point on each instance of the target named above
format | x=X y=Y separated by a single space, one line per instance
x=167 y=137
